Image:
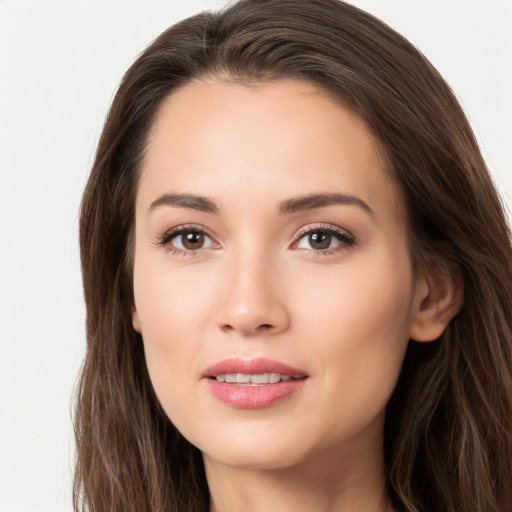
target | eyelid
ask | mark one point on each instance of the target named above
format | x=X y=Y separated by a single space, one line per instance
x=164 y=240
x=346 y=237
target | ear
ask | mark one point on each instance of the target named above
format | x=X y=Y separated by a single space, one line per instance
x=439 y=297
x=135 y=320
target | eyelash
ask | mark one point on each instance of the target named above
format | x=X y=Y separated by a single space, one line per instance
x=165 y=239
x=346 y=239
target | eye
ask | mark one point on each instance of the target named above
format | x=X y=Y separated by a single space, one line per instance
x=186 y=239
x=323 y=239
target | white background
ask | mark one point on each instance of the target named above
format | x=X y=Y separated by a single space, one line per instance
x=60 y=63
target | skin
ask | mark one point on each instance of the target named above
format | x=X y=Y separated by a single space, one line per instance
x=258 y=288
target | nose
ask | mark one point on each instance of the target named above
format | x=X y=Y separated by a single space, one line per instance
x=253 y=298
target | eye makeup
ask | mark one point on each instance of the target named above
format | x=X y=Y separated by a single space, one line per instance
x=318 y=239
x=187 y=240
x=323 y=239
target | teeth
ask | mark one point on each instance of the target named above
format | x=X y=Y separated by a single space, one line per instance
x=241 y=378
x=259 y=378
x=263 y=378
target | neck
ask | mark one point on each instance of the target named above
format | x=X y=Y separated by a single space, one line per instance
x=333 y=482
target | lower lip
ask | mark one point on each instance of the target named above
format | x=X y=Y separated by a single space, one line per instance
x=253 y=397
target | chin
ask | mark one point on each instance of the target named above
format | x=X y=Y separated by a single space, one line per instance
x=254 y=457
x=246 y=450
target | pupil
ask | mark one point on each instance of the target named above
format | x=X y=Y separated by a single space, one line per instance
x=320 y=240
x=193 y=240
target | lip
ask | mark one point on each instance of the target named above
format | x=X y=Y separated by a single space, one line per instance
x=256 y=396
x=252 y=366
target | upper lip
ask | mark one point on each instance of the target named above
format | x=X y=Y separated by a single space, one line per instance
x=252 y=367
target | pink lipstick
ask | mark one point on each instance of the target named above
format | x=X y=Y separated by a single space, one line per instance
x=253 y=384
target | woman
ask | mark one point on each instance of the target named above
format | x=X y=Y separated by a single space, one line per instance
x=297 y=275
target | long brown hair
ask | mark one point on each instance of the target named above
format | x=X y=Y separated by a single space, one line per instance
x=448 y=434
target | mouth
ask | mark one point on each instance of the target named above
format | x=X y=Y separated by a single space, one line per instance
x=257 y=379
x=253 y=384
x=258 y=371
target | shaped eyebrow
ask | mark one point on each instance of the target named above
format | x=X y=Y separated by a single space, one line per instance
x=320 y=201
x=286 y=207
x=192 y=201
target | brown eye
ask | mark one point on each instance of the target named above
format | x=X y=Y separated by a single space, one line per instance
x=186 y=240
x=325 y=240
x=319 y=240
x=192 y=240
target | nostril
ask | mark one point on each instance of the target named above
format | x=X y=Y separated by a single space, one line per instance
x=260 y=328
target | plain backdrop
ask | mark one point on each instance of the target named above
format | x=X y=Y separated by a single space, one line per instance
x=60 y=63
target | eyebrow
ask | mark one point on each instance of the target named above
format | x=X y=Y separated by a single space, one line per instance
x=191 y=201
x=314 y=201
x=286 y=207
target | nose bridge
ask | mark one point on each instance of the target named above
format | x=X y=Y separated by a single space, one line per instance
x=253 y=296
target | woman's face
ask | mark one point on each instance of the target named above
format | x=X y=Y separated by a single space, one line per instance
x=270 y=250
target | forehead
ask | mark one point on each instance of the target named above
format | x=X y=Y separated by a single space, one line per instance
x=275 y=139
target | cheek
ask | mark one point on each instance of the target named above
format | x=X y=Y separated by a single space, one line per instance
x=173 y=308
x=359 y=324
x=170 y=301
x=370 y=296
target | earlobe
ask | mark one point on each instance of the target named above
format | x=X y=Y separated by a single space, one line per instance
x=135 y=320
x=439 y=297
